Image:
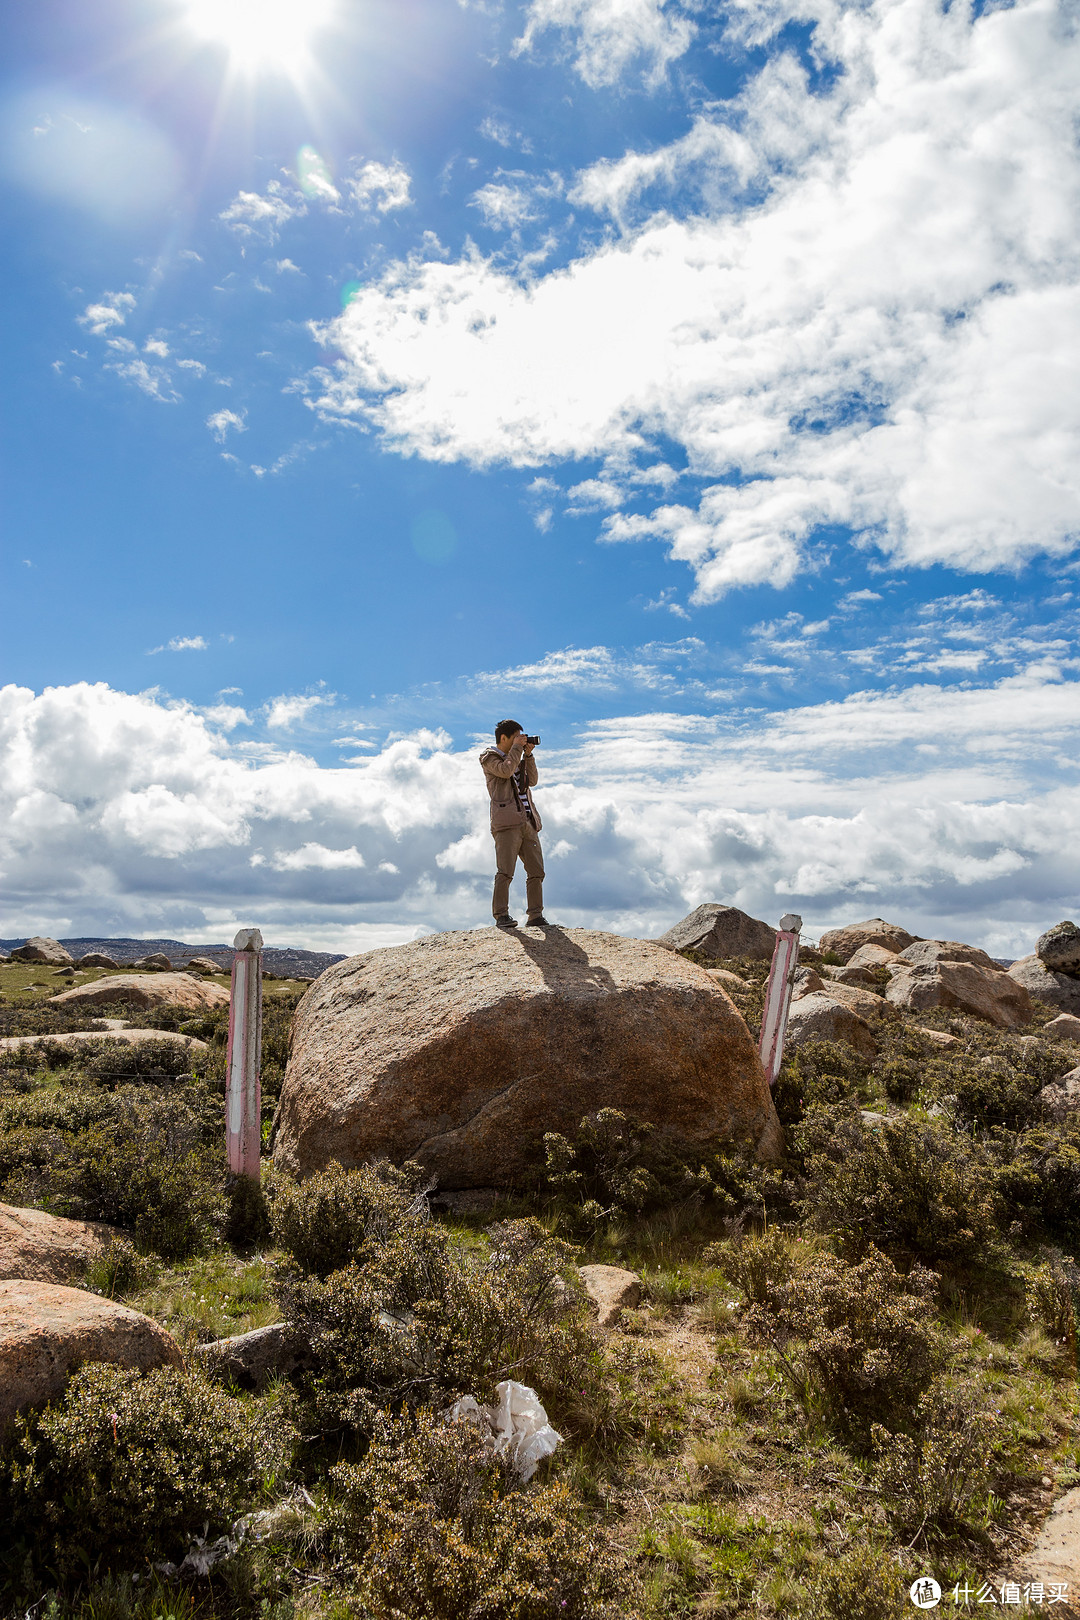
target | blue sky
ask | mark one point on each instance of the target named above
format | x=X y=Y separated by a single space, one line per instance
x=700 y=385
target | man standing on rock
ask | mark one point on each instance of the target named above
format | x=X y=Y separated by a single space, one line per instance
x=510 y=773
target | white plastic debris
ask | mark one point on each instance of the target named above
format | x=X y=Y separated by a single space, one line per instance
x=516 y=1426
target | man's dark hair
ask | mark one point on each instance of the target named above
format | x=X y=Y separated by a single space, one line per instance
x=506 y=728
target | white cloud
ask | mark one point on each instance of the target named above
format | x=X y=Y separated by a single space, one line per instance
x=196 y=367
x=133 y=815
x=221 y=421
x=592 y=493
x=504 y=134
x=112 y=310
x=285 y=712
x=286 y=267
x=153 y=381
x=611 y=36
x=183 y=644
x=317 y=857
x=383 y=186
x=227 y=716
x=253 y=213
x=715 y=151
x=879 y=333
x=504 y=207
x=157 y=346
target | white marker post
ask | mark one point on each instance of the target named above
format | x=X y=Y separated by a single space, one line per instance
x=243 y=1093
x=778 y=996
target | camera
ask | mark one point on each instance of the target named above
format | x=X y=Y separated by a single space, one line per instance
x=534 y=740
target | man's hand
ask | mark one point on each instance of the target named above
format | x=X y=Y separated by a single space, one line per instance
x=527 y=750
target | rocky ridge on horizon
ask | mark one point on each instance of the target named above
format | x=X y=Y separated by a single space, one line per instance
x=287 y=961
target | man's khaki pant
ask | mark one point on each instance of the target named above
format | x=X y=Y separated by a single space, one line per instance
x=509 y=844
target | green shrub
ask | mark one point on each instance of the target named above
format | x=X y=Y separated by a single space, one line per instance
x=933 y=1472
x=36 y=1018
x=436 y=1530
x=129 y=1467
x=1038 y=1179
x=904 y=1062
x=825 y=1072
x=168 y=1194
x=1054 y=1299
x=417 y=1319
x=278 y=1011
x=602 y=1172
x=113 y=1063
x=339 y=1216
x=863 y=1334
x=759 y=1265
x=864 y=1584
x=615 y=1168
x=914 y=1190
x=247 y=1217
x=144 y=1159
x=119 y=1269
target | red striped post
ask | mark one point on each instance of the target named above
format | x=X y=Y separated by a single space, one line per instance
x=243 y=1094
x=778 y=996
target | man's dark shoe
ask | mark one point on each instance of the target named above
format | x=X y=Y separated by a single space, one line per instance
x=506 y=921
x=538 y=922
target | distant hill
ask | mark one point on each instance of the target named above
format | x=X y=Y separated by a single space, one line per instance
x=287 y=961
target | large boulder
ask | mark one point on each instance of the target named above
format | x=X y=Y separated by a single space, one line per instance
x=156 y=962
x=45 y=950
x=204 y=964
x=252 y=1359
x=867 y=1003
x=1065 y=1027
x=96 y=959
x=821 y=1017
x=46 y=1248
x=844 y=942
x=804 y=981
x=849 y=975
x=716 y=930
x=461 y=1049
x=47 y=1330
x=984 y=992
x=1060 y=990
x=871 y=956
x=925 y=952
x=1061 y=1099
x=1059 y=948
x=133 y=990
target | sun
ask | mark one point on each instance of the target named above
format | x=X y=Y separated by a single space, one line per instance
x=267 y=34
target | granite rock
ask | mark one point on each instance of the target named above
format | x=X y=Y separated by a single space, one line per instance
x=39 y=949
x=461 y=1049
x=1059 y=990
x=46 y=1248
x=821 y=1017
x=135 y=990
x=984 y=992
x=611 y=1291
x=1059 y=948
x=844 y=942
x=717 y=931
x=47 y=1330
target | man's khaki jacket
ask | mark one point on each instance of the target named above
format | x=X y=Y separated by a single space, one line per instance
x=498 y=774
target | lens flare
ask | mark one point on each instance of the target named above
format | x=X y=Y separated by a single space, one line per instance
x=273 y=34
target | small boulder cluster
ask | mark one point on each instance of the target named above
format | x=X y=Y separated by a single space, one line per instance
x=876 y=964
